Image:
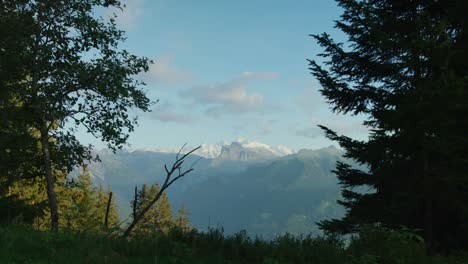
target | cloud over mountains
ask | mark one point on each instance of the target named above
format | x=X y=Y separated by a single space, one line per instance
x=231 y=97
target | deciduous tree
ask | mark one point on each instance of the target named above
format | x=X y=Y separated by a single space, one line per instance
x=73 y=74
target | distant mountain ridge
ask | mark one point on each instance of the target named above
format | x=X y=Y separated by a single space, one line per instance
x=245 y=150
x=236 y=151
x=246 y=186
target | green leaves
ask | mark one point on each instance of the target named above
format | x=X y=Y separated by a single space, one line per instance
x=78 y=71
x=60 y=69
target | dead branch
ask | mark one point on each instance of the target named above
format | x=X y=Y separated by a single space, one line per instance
x=135 y=202
x=175 y=169
x=107 y=210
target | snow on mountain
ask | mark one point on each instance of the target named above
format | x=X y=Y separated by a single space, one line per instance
x=280 y=150
x=211 y=151
x=245 y=150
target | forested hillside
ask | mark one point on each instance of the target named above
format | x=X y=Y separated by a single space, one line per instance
x=264 y=197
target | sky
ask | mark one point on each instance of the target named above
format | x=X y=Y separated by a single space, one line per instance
x=229 y=70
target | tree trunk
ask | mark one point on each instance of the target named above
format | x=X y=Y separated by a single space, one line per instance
x=428 y=214
x=106 y=221
x=135 y=203
x=142 y=213
x=47 y=164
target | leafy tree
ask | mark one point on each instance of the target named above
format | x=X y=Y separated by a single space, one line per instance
x=72 y=74
x=405 y=68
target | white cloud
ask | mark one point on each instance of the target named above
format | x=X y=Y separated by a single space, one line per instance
x=127 y=17
x=239 y=127
x=164 y=112
x=310 y=132
x=163 y=71
x=266 y=127
x=229 y=97
x=259 y=75
x=170 y=116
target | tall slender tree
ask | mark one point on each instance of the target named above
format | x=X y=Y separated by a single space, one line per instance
x=103 y=196
x=159 y=216
x=182 y=221
x=74 y=74
x=405 y=67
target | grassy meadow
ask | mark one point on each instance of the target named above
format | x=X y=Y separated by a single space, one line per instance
x=22 y=244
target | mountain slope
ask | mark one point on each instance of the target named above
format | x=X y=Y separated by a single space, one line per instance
x=288 y=194
x=264 y=194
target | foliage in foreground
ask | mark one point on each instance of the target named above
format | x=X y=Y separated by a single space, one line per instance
x=21 y=244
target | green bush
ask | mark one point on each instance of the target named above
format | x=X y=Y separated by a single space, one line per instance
x=375 y=244
x=22 y=244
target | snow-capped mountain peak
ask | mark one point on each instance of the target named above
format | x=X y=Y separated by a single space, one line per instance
x=250 y=149
x=280 y=150
x=245 y=150
x=209 y=151
x=283 y=150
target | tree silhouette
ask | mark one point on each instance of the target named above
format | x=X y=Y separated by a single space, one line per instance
x=405 y=68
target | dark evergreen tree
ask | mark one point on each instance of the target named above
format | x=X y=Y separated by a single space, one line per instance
x=405 y=67
x=23 y=201
x=18 y=144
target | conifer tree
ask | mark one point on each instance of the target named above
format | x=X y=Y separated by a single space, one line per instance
x=159 y=217
x=405 y=68
x=23 y=201
x=102 y=200
x=82 y=205
x=85 y=199
x=164 y=213
x=182 y=221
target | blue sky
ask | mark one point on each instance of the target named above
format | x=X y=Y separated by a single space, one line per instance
x=232 y=69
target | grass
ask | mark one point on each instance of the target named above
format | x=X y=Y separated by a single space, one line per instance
x=22 y=244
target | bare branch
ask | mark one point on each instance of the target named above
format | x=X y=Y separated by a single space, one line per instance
x=190 y=152
x=180 y=150
x=177 y=165
x=195 y=162
x=180 y=176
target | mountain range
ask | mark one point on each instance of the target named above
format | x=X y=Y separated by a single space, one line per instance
x=211 y=151
x=252 y=186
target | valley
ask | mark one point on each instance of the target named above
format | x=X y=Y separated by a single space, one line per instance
x=246 y=187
